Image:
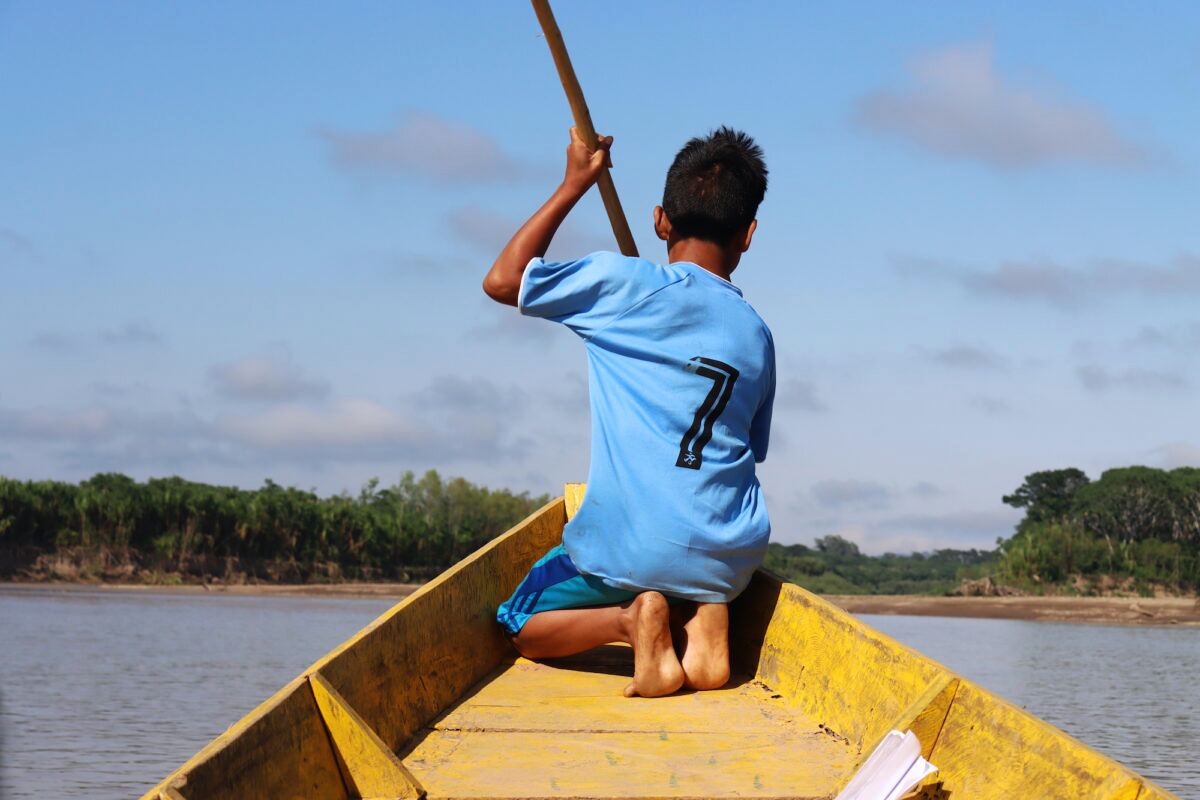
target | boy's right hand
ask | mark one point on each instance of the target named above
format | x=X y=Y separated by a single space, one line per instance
x=584 y=165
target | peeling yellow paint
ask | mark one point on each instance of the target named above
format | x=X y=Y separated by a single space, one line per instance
x=431 y=695
x=369 y=768
x=573 y=497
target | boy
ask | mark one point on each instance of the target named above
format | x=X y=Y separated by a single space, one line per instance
x=681 y=372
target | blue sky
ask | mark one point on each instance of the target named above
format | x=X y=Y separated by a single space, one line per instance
x=242 y=241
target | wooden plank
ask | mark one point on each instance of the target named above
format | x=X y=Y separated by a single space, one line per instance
x=839 y=671
x=529 y=764
x=1131 y=790
x=820 y=666
x=280 y=750
x=1152 y=791
x=573 y=694
x=397 y=673
x=992 y=750
x=927 y=715
x=573 y=497
x=924 y=717
x=422 y=655
x=562 y=729
x=370 y=769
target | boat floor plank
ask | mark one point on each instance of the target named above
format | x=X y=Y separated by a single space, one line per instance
x=562 y=729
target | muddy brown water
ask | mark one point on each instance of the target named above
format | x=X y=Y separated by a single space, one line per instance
x=103 y=693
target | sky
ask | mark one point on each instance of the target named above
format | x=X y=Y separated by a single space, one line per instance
x=245 y=241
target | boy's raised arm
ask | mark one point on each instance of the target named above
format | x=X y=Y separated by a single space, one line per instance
x=503 y=281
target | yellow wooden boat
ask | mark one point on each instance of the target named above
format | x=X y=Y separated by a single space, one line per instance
x=431 y=700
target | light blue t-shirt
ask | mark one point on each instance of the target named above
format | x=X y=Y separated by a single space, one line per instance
x=681 y=373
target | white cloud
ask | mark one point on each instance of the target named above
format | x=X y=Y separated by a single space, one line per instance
x=925 y=489
x=131 y=333
x=15 y=245
x=1099 y=379
x=489 y=232
x=851 y=493
x=956 y=528
x=1060 y=285
x=801 y=395
x=274 y=376
x=119 y=390
x=361 y=430
x=100 y=439
x=471 y=396
x=989 y=404
x=962 y=356
x=501 y=323
x=343 y=424
x=53 y=341
x=91 y=424
x=958 y=105
x=1184 y=337
x=447 y=422
x=429 y=146
x=1178 y=454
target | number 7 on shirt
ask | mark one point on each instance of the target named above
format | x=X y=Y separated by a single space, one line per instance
x=723 y=376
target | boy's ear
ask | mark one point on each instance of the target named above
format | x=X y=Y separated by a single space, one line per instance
x=750 y=229
x=662 y=225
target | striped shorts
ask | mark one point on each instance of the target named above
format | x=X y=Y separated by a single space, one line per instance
x=554 y=583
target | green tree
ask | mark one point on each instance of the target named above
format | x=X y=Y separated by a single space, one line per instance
x=413 y=527
x=1047 y=495
x=837 y=546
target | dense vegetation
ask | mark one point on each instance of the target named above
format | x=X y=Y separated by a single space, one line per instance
x=1135 y=529
x=112 y=526
x=835 y=566
x=1135 y=526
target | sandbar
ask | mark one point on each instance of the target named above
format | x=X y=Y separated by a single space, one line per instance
x=1181 y=611
x=1176 y=611
x=383 y=590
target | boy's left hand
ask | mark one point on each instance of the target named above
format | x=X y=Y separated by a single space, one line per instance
x=584 y=165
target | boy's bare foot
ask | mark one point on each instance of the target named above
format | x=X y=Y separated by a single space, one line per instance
x=656 y=668
x=706 y=656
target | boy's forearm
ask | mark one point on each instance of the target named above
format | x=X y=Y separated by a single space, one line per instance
x=503 y=281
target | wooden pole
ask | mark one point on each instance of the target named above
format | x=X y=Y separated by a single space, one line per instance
x=583 y=121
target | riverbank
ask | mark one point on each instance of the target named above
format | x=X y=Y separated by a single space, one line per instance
x=384 y=590
x=1184 y=611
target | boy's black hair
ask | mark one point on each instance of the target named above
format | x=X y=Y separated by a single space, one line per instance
x=714 y=186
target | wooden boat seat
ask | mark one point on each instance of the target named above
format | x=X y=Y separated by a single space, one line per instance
x=562 y=729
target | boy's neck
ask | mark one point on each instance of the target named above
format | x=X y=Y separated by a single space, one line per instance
x=719 y=260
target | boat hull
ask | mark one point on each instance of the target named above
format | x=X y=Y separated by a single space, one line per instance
x=430 y=700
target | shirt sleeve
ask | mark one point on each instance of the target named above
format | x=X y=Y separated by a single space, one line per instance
x=760 y=426
x=586 y=294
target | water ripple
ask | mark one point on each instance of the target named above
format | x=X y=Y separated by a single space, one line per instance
x=1128 y=691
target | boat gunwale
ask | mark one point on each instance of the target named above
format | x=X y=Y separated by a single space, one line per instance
x=785 y=601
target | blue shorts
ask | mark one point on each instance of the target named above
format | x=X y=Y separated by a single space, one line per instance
x=554 y=583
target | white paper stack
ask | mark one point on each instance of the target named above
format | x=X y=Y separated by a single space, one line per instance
x=894 y=768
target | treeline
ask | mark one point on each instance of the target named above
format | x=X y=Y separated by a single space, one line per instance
x=836 y=566
x=1135 y=525
x=113 y=524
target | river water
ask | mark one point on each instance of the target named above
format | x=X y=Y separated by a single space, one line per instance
x=1131 y=692
x=103 y=693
